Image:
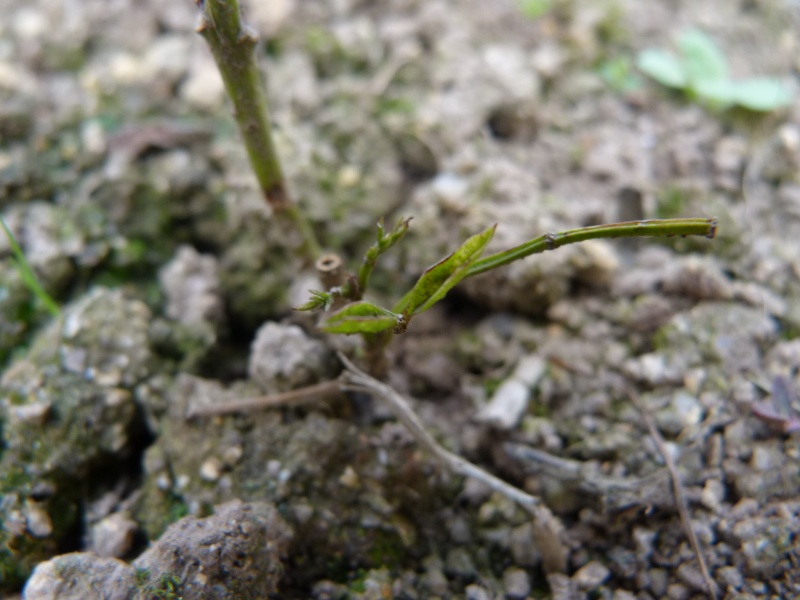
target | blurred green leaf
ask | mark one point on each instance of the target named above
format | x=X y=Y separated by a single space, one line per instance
x=383 y=242
x=439 y=279
x=702 y=72
x=703 y=61
x=533 y=9
x=717 y=94
x=761 y=94
x=618 y=74
x=361 y=317
x=318 y=300
x=662 y=66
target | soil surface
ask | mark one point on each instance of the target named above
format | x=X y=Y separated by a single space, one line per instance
x=570 y=374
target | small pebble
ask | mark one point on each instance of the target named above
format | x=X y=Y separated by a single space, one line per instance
x=211 y=469
x=34 y=413
x=507 y=406
x=591 y=575
x=38 y=521
x=746 y=507
x=765 y=458
x=112 y=537
x=691 y=576
x=517 y=583
x=349 y=478
x=659 y=579
x=524 y=550
x=476 y=592
x=459 y=563
x=232 y=455
x=713 y=494
x=683 y=411
x=730 y=577
x=434 y=578
x=678 y=591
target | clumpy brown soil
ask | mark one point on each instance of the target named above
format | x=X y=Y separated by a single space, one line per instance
x=122 y=177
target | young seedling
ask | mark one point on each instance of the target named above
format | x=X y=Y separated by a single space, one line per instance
x=377 y=323
x=343 y=299
x=700 y=70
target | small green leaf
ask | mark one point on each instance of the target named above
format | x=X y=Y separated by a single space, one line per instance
x=439 y=279
x=662 y=66
x=387 y=240
x=361 y=317
x=318 y=300
x=383 y=242
x=618 y=74
x=761 y=94
x=702 y=59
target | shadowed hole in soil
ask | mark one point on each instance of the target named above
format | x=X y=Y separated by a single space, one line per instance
x=513 y=122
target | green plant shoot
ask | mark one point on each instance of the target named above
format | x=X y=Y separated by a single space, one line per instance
x=433 y=285
x=700 y=69
x=383 y=243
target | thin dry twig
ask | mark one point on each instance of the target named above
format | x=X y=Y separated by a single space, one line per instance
x=547 y=527
x=298 y=397
x=612 y=493
x=680 y=498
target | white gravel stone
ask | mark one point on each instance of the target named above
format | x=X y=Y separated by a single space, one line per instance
x=591 y=575
x=112 y=537
x=517 y=583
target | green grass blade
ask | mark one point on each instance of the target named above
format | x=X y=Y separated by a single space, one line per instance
x=27 y=274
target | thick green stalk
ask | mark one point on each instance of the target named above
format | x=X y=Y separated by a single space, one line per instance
x=232 y=44
x=551 y=241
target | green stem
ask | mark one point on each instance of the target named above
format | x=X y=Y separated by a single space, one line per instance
x=232 y=44
x=551 y=241
x=365 y=272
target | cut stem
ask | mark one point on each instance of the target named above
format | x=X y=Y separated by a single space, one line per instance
x=551 y=241
x=232 y=44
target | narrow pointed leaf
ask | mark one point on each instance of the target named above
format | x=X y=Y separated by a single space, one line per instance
x=318 y=300
x=360 y=317
x=381 y=245
x=27 y=275
x=439 y=279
